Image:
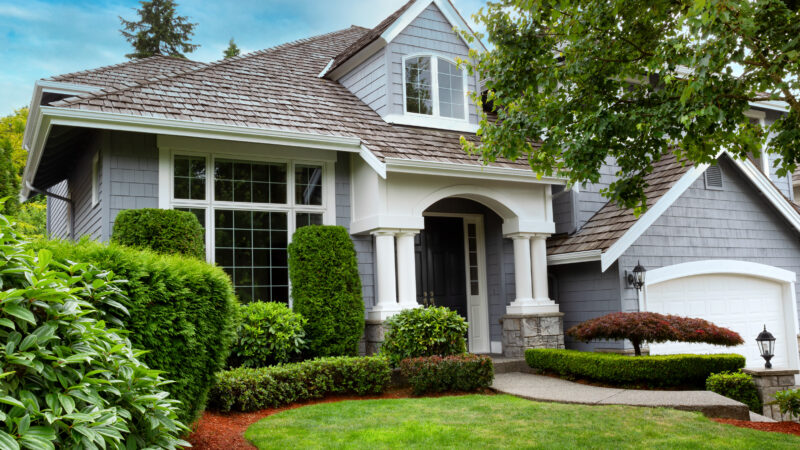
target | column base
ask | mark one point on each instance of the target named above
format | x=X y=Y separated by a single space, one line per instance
x=374 y=332
x=383 y=314
x=768 y=382
x=532 y=306
x=524 y=331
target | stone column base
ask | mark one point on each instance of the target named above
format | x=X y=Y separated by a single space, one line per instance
x=768 y=382
x=523 y=331
x=374 y=331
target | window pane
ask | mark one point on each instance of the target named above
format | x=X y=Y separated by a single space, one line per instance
x=308 y=185
x=305 y=219
x=251 y=247
x=451 y=90
x=246 y=182
x=418 y=85
x=189 y=177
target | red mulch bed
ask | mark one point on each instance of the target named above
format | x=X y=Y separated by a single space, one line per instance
x=225 y=431
x=777 y=427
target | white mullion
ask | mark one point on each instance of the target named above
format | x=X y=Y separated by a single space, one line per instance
x=435 y=84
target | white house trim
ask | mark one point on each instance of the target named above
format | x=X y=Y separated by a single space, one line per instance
x=55 y=87
x=402 y=165
x=435 y=119
x=423 y=121
x=719 y=266
x=648 y=218
x=49 y=116
x=445 y=7
x=574 y=257
x=754 y=174
x=373 y=161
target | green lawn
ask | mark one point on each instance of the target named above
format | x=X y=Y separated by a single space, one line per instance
x=498 y=421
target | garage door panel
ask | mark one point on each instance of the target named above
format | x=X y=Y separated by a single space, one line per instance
x=741 y=303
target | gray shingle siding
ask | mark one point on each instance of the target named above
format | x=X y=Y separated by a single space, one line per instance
x=585 y=292
x=88 y=217
x=589 y=200
x=733 y=223
x=362 y=243
x=57 y=212
x=368 y=82
x=429 y=32
x=133 y=173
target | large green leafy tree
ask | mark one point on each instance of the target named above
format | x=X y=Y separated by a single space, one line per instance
x=635 y=80
x=159 y=30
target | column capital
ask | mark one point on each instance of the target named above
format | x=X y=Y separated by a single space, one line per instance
x=518 y=236
x=407 y=232
x=384 y=232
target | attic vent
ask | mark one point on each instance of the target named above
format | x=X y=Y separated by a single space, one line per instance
x=714 y=177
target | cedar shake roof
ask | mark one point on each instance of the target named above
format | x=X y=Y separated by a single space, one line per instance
x=611 y=222
x=129 y=73
x=369 y=37
x=278 y=88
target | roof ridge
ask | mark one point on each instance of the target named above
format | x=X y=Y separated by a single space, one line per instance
x=117 y=65
x=212 y=65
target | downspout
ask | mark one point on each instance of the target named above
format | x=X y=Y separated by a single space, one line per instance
x=69 y=202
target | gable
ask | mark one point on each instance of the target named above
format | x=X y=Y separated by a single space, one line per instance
x=429 y=33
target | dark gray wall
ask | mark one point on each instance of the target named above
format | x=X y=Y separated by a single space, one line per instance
x=363 y=243
x=88 y=217
x=584 y=292
x=57 y=212
x=132 y=163
x=736 y=222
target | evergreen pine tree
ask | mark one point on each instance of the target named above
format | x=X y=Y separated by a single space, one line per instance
x=158 y=31
x=232 y=50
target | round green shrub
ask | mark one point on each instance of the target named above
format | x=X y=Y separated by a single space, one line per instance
x=182 y=311
x=736 y=385
x=162 y=230
x=326 y=289
x=268 y=333
x=67 y=380
x=431 y=331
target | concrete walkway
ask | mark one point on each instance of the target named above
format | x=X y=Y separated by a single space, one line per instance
x=549 y=389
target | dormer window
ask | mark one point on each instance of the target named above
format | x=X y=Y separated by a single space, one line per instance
x=442 y=95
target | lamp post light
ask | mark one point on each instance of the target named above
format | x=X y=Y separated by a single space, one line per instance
x=766 y=345
x=636 y=278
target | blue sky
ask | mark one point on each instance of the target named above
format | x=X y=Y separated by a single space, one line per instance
x=41 y=38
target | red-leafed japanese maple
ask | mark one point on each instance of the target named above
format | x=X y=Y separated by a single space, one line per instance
x=638 y=327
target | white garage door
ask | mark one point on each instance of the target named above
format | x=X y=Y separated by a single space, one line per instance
x=743 y=304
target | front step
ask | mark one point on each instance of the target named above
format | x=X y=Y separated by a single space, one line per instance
x=504 y=364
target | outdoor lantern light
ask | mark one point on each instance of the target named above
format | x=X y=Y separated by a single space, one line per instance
x=636 y=278
x=766 y=344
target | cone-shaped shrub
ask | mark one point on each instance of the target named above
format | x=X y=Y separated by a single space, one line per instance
x=639 y=327
x=326 y=289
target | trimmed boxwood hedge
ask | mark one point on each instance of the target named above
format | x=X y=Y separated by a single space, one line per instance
x=658 y=370
x=738 y=386
x=428 y=331
x=182 y=311
x=246 y=389
x=162 y=230
x=460 y=373
x=326 y=289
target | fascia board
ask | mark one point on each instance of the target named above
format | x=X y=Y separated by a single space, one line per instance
x=402 y=165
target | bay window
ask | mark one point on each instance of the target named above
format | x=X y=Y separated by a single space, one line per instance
x=249 y=210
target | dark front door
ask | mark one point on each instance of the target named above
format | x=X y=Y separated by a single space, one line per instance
x=441 y=274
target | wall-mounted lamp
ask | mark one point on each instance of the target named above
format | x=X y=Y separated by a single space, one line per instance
x=636 y=278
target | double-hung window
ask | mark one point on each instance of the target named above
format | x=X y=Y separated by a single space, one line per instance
x=250 y=210
x=434 y=86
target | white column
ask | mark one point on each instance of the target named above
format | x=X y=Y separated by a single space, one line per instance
x=386 y=302
x=406 y=270
x=539 y=269
x=530 y=276
x=522 y=273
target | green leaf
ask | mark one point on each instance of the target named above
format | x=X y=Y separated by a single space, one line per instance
x=67 y=403
x=36 y=443
x=7 y=442
x=29 y=341
x=44 y=258
x=11 y=401
x=20 y=312
x=7 y=323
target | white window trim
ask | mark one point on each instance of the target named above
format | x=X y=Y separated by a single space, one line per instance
x=761 y=116
x=167 y=200
x=95 y=179
x=435 y=90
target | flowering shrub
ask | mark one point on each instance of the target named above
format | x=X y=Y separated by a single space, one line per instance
x=424 y=332
x=268 y=333
x=450 y=373
x=638 y=327
x=69 y=381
